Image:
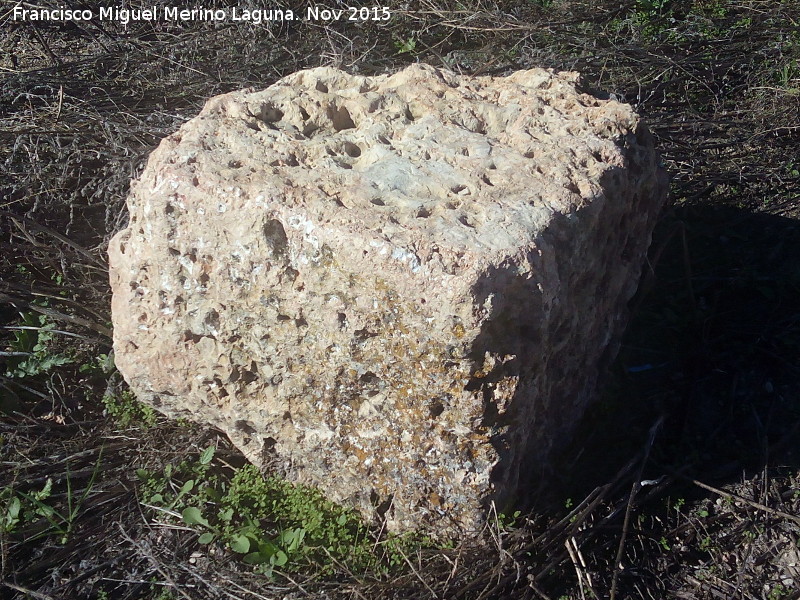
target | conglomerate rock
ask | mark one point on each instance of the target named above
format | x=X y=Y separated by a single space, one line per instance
x=401 y=288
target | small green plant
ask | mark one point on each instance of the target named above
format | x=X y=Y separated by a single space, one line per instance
x=269 y=522
x=316 y=527
x=664 y=544
x=787 y=75
x=30 y=507
x=777 y=592
x=405 y=47
x=715 y=9
x=652 y=8
x=11 y=514
x=507 y=522
x=103 y=364
x=126 y=410
x=652 y=18
x=31 y=350
x=58 y=279
x=169 y=488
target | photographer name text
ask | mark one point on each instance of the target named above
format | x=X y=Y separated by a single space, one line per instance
x=177 y=14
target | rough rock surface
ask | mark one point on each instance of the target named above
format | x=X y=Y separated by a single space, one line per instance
x=402 y=287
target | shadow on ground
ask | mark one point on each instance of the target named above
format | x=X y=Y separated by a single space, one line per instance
x=706 y=382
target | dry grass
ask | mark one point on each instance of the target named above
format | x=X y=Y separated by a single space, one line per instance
x=684 y=482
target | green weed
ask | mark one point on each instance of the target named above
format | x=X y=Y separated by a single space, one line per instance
x=31 y=351
x=671 y=22
x=506 y=522
x=652 y=8
x=649 y=21
x=787 y=76
x=126 y=410
x=777 y=592
x=12 y=512
x=103 y=364
x=269 y=522
x=405 y=46
x=39 y=509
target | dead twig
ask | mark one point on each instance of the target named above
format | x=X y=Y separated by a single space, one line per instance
x=581 y=570
x=146 y=553
x=416 y=573
x=758 y=505
x=54 y=314
x=26 y=591
x=637 y=485
x=23 y=222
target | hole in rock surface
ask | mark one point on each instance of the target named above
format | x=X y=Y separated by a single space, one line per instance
x=364 y=334
x=352 y=150
x=275 y=235
x=250 y=375
x=245 y=427
x=436 y=408
x=271 y=114
x=382 y=506
x=369 y=377
x=464 y=220
x=292 y=275
x=341 y=119
x=212 y=319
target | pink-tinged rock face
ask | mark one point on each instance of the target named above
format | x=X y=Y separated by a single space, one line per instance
x=401 y=288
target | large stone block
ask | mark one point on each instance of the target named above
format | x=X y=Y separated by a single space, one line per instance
x=401 y=288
